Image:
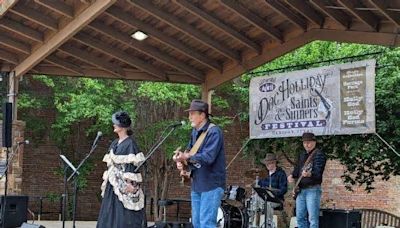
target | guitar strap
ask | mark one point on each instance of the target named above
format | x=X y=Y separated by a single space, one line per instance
x=309 y=158
x=200 y=140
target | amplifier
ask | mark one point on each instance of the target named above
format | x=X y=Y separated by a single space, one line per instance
x=333 y=218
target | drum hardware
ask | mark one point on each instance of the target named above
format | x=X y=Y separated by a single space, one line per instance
x=254 y=172
x=235 y=196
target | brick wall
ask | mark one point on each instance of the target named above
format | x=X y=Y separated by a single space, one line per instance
x=41 y=161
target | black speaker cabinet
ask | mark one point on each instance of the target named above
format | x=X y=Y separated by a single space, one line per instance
x=16 y=210
x=340 y=218
x=7 y=124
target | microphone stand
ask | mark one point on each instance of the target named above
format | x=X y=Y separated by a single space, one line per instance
x=144 y=163
x=75 y=175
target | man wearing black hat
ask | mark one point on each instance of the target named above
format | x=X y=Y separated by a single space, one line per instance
x=206 y=161
x=310 y=168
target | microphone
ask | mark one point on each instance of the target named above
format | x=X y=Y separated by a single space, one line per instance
x=178 y=124
x=26 y=142
x=99 y=134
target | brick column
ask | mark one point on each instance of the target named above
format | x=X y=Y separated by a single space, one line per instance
x=15 y=168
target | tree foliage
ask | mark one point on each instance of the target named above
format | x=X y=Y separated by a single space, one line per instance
x=365 y=157
x=87 y=104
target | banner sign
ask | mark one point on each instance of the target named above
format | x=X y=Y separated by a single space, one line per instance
x=5 y=5
x=330 y=100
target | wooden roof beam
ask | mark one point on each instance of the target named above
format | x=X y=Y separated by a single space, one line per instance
x=187 y=29
x=21 y=29
x=307 y=11
x=93 y=60
x=70 y=29
x=127 y=19
x=339 y=17
x=382 y=7
x=100 y=73
x=120 y=55
x=7 y=56
x=58 y=6
x=208 y=17
x=14 y=44
x=64 y=64
x=253 y=19
x=271 y=51
x=147 y=49
x=285 y=12
x=35 y=16
x=366 y=17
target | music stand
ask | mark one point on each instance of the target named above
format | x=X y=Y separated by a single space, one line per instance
x=68 y=164
x=267 y=195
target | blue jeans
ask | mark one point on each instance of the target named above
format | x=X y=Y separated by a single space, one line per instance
x=308 y=203
x=205 y=208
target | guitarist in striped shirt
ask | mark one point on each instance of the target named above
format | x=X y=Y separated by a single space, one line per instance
x=309 y=168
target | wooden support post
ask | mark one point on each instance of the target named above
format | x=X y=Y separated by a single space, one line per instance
x=206 y=95
x=13 y=92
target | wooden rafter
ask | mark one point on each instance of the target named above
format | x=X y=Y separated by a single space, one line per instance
x=212 y=20
x=127 y=19
x=147 y=49
x=7 y=56
x=120 y=55
x=93 y=60
x=70 y=29
x=337 y=16
x=58 y=6
x=130 y=74
x=285 y=12
x=253 y=19
x=307 y=11
x=21 y=29
x=381 y=6
x=366 y=17
x=64 y=64
x=14 y=44
x=33 y=15
x=270 y=52
x=187 y=29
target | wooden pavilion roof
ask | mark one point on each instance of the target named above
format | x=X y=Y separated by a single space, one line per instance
x=189 y=41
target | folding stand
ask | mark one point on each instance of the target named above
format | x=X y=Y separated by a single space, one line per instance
x=68 y=164
x=268 y=196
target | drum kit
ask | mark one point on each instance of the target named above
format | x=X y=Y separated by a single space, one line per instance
x=237 y=211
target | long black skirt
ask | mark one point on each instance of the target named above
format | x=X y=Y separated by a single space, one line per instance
x=113 y=214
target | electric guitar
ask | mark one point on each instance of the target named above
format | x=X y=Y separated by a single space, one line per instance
x=296 y=189
x=307 y=168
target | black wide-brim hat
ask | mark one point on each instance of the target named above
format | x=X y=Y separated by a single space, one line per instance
x=308 y=136
x=199 y=105
x=121 y=119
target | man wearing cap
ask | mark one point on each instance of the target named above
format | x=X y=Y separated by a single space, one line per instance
x=308 y=200
x=276 y=178
x=206 y=161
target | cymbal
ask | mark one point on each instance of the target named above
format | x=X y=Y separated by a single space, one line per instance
x=254 y=172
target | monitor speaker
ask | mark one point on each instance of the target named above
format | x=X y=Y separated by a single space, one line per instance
x=340 y=218
x=16 y=210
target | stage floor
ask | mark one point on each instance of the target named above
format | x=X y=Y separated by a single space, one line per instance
x=68 y=224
